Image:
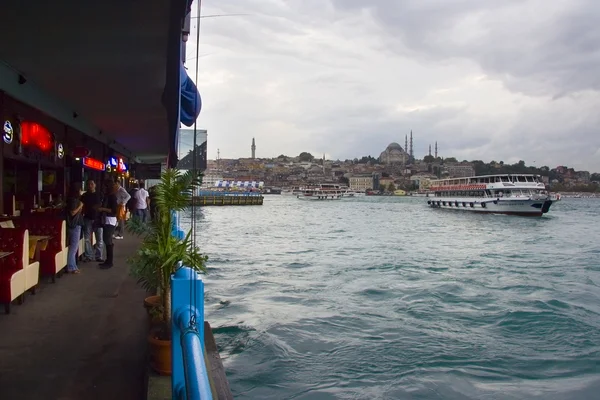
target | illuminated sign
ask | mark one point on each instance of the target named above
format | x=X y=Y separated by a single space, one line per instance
x=93 y=163
x=116 y=164
x=8 y=132
x=36 y=135
x=121 y=167
x=60 y=151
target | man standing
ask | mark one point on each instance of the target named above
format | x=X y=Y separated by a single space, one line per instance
x=142 y=201
x=122 y=199
x=109 y=211
x=91 y=200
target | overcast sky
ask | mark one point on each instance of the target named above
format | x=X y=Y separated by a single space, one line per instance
x=492 y=80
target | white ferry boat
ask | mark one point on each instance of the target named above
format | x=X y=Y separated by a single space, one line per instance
x=325 y=191
x=514 y=194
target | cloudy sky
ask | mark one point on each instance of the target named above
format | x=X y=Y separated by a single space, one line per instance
x=491 y=80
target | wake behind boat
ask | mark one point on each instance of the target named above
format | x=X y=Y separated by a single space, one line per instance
x=515 y=194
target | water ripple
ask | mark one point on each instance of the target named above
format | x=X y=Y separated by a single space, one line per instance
x=382 y=298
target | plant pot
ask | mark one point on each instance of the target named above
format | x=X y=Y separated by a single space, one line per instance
x=160 y=354
x=152 y=301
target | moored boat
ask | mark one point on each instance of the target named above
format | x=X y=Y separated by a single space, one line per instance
x=513 y=194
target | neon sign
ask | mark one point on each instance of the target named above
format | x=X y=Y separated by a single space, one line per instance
x=36 y=135
x=93 y=163
x=8 y=132
x=117 y=164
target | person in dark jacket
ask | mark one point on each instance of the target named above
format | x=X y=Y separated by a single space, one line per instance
x=74 y=218
x=109 y=211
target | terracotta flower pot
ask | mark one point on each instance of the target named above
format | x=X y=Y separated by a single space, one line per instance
x=152 y=301
x=160 y=354
x=151 y=304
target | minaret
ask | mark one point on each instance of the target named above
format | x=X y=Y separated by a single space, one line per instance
x=429 y=150
x=253 y=147
x=323 y=163
x=406 y=143
x=436 y=149
x=412 y=155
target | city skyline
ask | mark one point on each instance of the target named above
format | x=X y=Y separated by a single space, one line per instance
x=485 y=80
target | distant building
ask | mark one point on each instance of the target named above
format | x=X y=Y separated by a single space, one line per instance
x=362 y=183
x=460 y=170
x=210 y=178
x=394 y=154
x=422 y=181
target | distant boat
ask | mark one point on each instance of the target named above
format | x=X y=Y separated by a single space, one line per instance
x=271 y=190
x=325 y=191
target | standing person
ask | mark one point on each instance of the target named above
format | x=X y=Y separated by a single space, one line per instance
x=74 y=217
x=142 y=202
x=109 y=212
x=122 y=199
x=132 y=202
x=91 y=200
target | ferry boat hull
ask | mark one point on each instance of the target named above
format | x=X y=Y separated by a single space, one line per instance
x=322 y=197
x=524 y=207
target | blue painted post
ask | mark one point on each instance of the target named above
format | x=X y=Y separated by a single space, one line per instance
x=175 y=231
x=189 y=375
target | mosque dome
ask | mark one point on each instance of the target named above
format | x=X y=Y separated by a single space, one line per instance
x=394 y=153
x=394 y=146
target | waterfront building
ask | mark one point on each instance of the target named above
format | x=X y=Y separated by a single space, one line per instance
x=364 y=182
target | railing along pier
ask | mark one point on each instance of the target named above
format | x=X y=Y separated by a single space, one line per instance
x=190 y=376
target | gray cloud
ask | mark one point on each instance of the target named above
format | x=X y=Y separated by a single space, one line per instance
x=534 y=46
x=503 y=80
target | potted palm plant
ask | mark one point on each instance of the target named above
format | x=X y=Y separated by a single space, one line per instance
x=159 y=254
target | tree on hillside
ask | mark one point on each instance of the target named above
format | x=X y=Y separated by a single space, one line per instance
x=391 y=187
x=429 y=159
x=367 y=159
x=450 y=159
x=304 y=156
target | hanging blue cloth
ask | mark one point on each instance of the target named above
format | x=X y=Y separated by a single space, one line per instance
x=191 y=103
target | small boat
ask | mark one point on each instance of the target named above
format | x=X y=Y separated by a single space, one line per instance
x=271 y=190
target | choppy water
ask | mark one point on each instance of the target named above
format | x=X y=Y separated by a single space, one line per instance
x=383 y=298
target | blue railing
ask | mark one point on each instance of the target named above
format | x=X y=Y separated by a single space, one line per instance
x=189 y=377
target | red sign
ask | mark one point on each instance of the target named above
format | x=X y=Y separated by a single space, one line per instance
x=36 y=135
x=93 y=164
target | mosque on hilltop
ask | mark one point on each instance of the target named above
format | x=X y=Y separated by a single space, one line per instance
x=395 y=154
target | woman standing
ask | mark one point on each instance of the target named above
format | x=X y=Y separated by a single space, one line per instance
x=74 y=219
x=109 y=212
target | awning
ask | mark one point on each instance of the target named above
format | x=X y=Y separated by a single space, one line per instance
x=191 y=103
